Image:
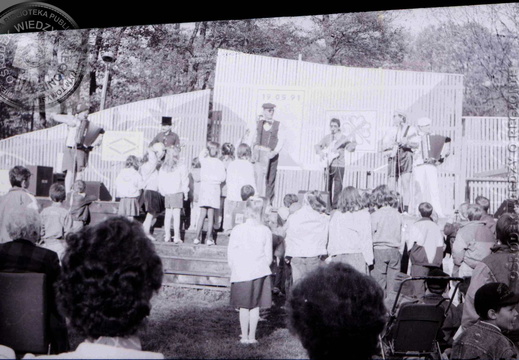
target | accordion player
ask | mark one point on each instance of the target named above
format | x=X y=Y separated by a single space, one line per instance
x=87 y=133
x=433 y=147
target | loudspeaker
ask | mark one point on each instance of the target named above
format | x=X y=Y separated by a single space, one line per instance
x=98 y=189
x=41 y=180
x=506 y=206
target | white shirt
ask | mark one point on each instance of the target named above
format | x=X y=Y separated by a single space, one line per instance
x=128 y=183
x=306 y=233
x=240 y=172
x=175 y=181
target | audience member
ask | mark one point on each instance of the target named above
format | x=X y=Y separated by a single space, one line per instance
x=174 y=186
x=128 y=185
x=194 y=192
x=151 y=200
x=307 y=235
x=23 y=255
x=487 y=218
x=226 y=156
x=249 y=256
x=55 y=221
x=495 y=306
x=425 y=244
x=451 y=228
x=388 y=243
x=17 y=197
x=350 y=237
x=79 y=202
x=290 y=204
x=110 y=273
x=473 y=243
x=500 y=266
x=212 y=174
x=337 y=313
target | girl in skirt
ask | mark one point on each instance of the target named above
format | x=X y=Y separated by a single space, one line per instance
x=212 y=174
x=174 y=186
x=249 y=255
x=128 y=186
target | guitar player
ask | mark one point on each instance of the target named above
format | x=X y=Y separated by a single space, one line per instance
x=331 y=152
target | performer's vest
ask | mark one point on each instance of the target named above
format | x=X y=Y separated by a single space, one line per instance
x=504 y=265
x=267 y=138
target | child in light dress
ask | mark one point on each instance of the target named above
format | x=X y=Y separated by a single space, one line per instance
x=128 y=185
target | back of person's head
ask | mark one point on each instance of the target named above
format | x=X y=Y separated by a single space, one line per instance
x=483 y=202
x=244 y=151
x=337 y=312
x=228 y=149
x=392 y=199
x=437 y=281
x=19 y=175
x=57 y=193
x=110 y=273
x=171 y=159
x=378 y=196
x=132 y=161
x=23 y=223
x=507 y=230
x=290 y=199
x=213 y=148
x=79 y=186
x=254 y=208
x=246 y=192
x=425 y=209
x=492 y=297
x=349 y=199
x=463 y=210
x=195 y=163
x=365 y=198
x=315 y=200
x=474 y=212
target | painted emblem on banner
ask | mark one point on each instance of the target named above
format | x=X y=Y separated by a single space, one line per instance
x=358 y=123
x=41 y=67
x=118 y=145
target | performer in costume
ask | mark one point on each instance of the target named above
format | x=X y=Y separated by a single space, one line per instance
x=331 y=151
x=266 y=147
x=398 y=145
x=166 y=135
x=75 y=156
x=425 y=172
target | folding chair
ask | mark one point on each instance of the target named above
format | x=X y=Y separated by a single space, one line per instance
x=24 y=318
x=413 y=329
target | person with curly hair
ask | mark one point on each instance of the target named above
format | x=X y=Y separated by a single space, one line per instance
x=337 y=313
x=110 y=273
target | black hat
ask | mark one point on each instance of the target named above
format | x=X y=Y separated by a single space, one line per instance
x=268 y=106
x=166 y=120
x=437 y=284
x=493 y=296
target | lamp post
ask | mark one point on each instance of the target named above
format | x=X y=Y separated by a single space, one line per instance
x=108 y=58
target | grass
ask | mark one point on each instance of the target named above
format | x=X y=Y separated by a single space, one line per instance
x=188 y=323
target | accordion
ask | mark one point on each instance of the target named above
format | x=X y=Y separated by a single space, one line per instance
x=432 y=147
x=87 y=133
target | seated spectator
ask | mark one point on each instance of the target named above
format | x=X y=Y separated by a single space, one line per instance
x=23 y=255
x=425 y=244
x=56 y=221
x=487 y=218
x=337 y=313
x=18 y=197
x=495 y=305
x=110 y=273
x=472 y=244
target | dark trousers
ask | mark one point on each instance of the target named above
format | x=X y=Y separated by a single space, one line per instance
x=335 y=177
x=271 y=179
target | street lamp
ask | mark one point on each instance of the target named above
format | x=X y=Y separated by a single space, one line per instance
x=108 y=58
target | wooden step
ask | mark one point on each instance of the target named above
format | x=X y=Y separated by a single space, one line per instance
x=191 y=250
x=204 y=265
x=195 y=278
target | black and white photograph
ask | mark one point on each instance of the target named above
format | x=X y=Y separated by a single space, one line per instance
x=214 y=182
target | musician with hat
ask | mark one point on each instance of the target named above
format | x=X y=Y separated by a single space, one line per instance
x=268 y=142
x=431 y=152
x=166 y=135
x=75 y=155
x=398 y=144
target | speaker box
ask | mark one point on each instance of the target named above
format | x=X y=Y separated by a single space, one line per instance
x=41 y=180
x=506 y=206
x=98 y=189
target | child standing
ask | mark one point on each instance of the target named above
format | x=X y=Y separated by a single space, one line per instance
x=174 y=186
x=227 y=157
x=240 y=172
x=128 y=186
x=249 y=257
x=212 y=174
x=194 y=192
x=495 y=305
x=80 y=205
x=55 y=222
